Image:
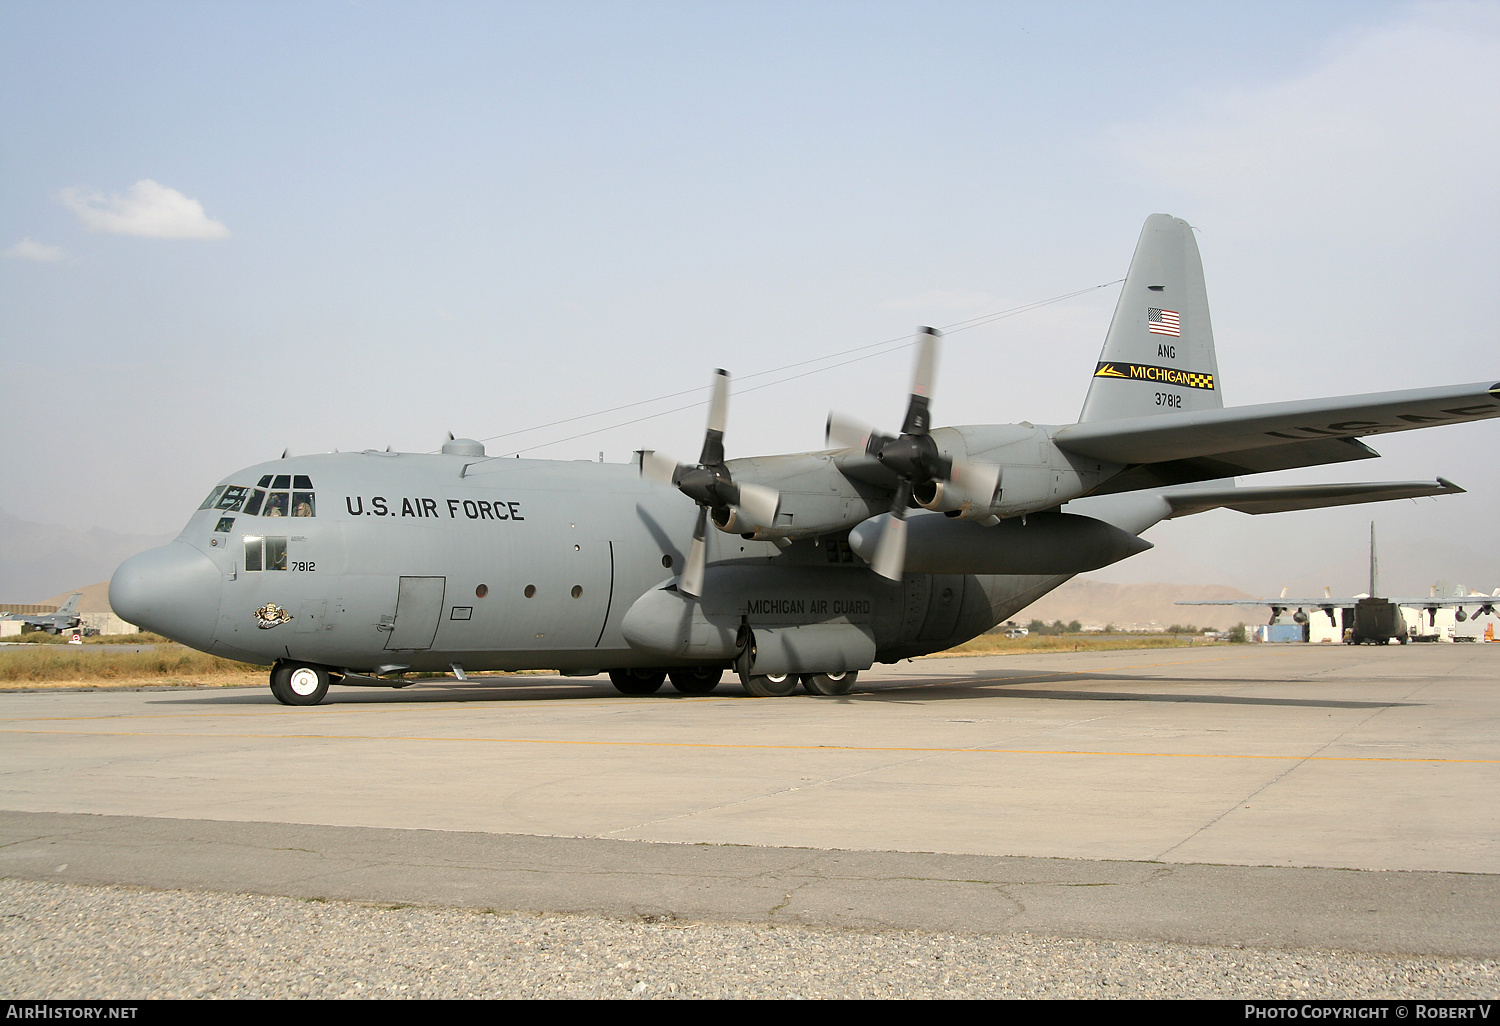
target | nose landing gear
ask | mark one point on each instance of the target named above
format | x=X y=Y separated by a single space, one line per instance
x=299 y=683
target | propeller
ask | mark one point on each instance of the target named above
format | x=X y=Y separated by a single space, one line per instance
x=709 y=484
x=912 y=456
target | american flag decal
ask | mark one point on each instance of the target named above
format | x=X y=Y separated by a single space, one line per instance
x=1163 y=322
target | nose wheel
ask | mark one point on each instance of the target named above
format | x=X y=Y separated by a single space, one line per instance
x=299 y=683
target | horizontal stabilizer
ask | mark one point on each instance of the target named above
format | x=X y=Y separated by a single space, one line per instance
x=1207 y=433
x=1284 y=498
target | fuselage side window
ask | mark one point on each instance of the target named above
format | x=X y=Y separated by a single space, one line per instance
x=213 y=497
x=276 y=505
x=275 y=553
x=252 y=552
x=224 y=526
x=302 y=504
x=252 y=508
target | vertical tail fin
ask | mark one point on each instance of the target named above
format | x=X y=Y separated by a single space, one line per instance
x=71 y=606
x=1159 y=354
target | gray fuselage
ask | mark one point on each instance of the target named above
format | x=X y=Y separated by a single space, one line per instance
x=423 y=561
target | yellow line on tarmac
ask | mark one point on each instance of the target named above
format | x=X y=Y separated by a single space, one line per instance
x=752 y=747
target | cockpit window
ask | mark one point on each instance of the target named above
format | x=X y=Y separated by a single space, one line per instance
x=224 y=526
x=258 y=502
x=232 y=499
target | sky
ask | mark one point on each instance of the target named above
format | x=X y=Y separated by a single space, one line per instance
x=229 y=229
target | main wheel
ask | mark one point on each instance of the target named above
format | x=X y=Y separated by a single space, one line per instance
x=769 y=685
x=298 y=683
x=695 y=680
x=637 y=682
x=829 y=683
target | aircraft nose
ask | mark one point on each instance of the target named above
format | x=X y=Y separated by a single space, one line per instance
x=173 y=590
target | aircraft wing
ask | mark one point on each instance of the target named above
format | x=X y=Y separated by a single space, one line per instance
x=1278 y=603
x=1210 y=433
x=1283 y=498
x=1447 y=601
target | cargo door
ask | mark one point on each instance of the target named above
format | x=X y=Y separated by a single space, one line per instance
x=419 y=605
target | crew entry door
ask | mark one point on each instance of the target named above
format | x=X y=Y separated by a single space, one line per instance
x=419 y=606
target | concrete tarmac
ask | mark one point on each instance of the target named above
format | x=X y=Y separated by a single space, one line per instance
x=1268 y=796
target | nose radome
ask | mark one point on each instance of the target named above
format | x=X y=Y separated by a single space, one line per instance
x=173 y=590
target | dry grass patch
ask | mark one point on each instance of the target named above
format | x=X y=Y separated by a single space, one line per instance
x=43 y=638
x=51 y=665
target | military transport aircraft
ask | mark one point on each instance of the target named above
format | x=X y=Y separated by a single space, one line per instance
x=353 y=568
x=1367 y=619
x=65 y=619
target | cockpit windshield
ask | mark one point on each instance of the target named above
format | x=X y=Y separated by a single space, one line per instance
x=281 y=500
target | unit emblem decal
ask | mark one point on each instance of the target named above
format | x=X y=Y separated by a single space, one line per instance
x=1161 y=375
x=269 y=615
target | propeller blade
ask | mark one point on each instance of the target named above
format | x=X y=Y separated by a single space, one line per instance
x=890 y=551
x=659 y=467
x=692 y=574
x=844 y=432
x=718 y=416
x=981 y=480
x=760 y=502
x=918 y=409
x=926 y=369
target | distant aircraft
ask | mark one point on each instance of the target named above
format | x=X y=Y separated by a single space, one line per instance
x=879 y=547
x=65 y=619
x=1367 y=619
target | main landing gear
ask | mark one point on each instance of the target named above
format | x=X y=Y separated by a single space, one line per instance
x=698 y=680
x=299 y=683
x=692 y=680
x=776 y=685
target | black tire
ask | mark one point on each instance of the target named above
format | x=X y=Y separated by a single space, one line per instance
x=769 y=685
x=299 y=684
x=637 y=682
x=829 y=683
x=695 y=680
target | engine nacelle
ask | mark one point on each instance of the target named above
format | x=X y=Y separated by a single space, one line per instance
x=737 y=520
x=952 y=498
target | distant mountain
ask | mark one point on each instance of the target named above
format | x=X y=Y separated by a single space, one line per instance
x=1095 y=602
x=38 y=560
